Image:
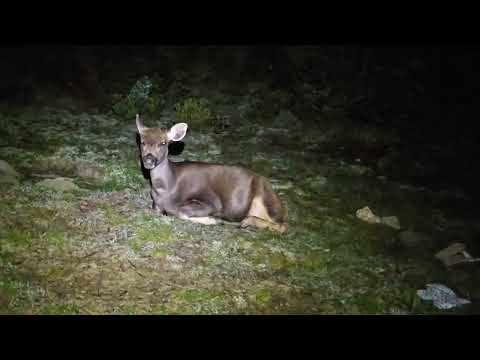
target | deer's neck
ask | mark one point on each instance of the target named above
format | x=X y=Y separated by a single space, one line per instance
x=162 y=176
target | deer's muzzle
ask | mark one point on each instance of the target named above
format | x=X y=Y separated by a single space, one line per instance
x=150 y=161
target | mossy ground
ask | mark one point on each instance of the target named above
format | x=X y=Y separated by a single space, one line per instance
x=102 y=250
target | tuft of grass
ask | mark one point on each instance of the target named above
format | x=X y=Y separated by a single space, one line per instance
x=152 y=235
x=195 y=111
x=113 y=216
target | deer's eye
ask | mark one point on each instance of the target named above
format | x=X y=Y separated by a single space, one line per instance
x=163 y=143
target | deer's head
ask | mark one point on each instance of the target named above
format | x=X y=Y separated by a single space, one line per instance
x=154 y=142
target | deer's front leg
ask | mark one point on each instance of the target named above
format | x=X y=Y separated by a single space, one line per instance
x=161 y=204
x=197 y=211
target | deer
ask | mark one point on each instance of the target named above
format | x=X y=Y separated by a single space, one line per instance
x=203 y=192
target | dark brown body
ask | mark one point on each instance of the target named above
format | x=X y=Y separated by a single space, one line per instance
x=196 y=191
x=230 y=190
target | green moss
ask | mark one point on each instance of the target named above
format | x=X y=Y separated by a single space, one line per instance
x=19 y=237
x=315 y=259
x=155 y=234
x=263 y=296
x=149 y=217
x=370 y=304
x=113 y=216
x=197 y=301
x=61 y=309
x=158 y=253
x=193 y=296
x=8 y=290
x=56 y=238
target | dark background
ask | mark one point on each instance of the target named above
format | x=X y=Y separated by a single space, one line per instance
x=436 y=84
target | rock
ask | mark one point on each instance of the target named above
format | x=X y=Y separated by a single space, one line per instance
x=8 y=175
x=454 y=254
x=409 y=238
x=7 y=170
x=391 y=221
x=367 y=215
x=58 y=184
x=443 y=297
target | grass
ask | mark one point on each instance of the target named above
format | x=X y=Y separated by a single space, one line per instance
x=124 y=258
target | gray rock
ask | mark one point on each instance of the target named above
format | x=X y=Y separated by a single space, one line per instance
x=58 y=184
x=7 y=170
x=8 y=175
x=391 y=221
x=367 y=215
x=409 y=238
x=443 y=297
x=455 y=254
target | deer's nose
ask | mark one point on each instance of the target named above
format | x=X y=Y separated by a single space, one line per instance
x=149 y=157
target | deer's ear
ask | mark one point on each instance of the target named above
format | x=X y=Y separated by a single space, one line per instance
x=177 y=132
x=140 y=125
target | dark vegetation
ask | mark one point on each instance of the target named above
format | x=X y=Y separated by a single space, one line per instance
x=336 y=128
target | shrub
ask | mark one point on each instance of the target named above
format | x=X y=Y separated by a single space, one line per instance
x=194 y=111
x=142 y=98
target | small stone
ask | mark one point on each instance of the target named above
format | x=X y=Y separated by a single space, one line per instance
x=367 y=215
x=452 y=255
x=58 y=184
x=7 y=170
x=391 y=221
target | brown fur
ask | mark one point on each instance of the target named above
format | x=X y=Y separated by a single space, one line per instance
x=195 y=190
